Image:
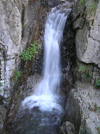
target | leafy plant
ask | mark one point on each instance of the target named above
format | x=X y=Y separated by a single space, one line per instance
x=72 y=54
x=85 y=70
x=91 y=8
x=99 y=130
x=23 y=25
x=29 y=52
x=83 y=2
x=97 y=84
x=82 y=68
x=0 y=84
x=17 y=75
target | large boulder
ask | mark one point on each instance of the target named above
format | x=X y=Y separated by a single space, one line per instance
x=83 y=108
x=87 y=38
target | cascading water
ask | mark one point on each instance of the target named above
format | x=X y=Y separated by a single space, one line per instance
x=45 y=95
x=41 y=113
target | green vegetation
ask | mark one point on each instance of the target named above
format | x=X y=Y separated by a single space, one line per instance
x=72 y=54
x=82 y=68
x=17 y=75
x=23 y=25
x=99 y=130
x=93 y=22
x=91 y=9
x=29 y=52
x=97 y=84
x=85 y=70
x=0 y=86
x=83 y=2
x=96 y=108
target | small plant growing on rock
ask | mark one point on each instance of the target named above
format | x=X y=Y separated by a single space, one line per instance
x=97 y=84
x=82 y=68
x=29 y=52
x=91 y=8
x=17 y=75
x=99 y=130
x=83 y=2
x=0 y=86
x=85 y=70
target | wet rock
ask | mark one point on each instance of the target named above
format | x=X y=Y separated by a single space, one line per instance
x=67 y=128
x=50 y=3
x=66 y=50
x=2 y=116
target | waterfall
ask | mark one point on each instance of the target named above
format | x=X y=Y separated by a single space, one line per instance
x=45 y=96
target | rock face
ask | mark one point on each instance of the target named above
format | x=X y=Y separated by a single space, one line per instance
x=15 y=33
x=19 y=27
x=87 y=41
x=84 y=109
x=10 y=41
x=92 y=51
x=87 y=38
x=67 y=128
x=82 y=105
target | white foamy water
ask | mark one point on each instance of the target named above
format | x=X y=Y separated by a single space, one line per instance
x=45 y=96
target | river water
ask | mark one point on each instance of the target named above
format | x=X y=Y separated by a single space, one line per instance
x=41 y=113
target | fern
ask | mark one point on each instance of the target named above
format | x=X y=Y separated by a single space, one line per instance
x=17 y=75
x=82 y=69
x=97 y=84
x=30 y=52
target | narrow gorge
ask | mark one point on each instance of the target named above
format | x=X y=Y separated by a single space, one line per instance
x=49 y=67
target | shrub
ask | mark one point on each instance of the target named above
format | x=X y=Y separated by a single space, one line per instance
x=97 y=84
x=29 y=52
